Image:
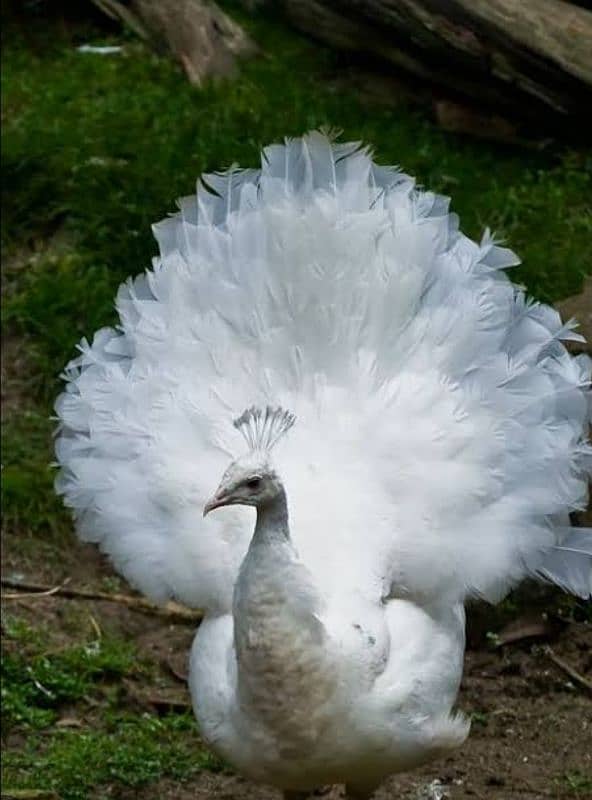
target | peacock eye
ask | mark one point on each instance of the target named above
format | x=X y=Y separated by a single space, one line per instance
x=253 y=483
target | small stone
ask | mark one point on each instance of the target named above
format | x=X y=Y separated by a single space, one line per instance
x=433 y=791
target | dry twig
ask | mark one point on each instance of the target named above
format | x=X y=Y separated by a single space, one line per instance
x=33 y=590
x=45 y=593
x=575 y=676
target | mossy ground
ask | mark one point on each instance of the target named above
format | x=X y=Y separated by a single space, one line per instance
x=95 y=149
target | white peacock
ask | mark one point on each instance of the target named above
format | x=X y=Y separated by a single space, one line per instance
x=438 y=450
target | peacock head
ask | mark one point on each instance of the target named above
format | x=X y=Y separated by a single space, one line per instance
x=251 y=480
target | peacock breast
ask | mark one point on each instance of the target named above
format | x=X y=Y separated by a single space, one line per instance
x=286 y=677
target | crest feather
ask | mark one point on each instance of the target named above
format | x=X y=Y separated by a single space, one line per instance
x=262 y=428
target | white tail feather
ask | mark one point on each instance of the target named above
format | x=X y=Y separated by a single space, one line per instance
x=569 y=564
x=441 y=420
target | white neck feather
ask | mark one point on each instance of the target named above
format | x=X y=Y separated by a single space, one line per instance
x=272 y=521
x=280 y=643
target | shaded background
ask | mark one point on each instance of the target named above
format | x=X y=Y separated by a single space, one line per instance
x=96 y=147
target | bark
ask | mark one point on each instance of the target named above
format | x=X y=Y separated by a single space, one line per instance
x=196 y=32
x=529 y=60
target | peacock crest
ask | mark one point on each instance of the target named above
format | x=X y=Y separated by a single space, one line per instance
x=263 y=428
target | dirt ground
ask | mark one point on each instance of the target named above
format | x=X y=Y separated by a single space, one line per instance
x=531 y=734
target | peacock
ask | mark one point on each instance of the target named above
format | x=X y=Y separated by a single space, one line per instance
x=328 y=419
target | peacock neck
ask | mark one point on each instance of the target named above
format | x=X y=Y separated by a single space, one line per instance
x=272 y=521
x=282 y=675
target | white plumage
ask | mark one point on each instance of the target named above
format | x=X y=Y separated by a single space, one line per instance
x=438 y=450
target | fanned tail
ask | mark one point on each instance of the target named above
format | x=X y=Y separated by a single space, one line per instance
x=569 y=564
x=442 y=422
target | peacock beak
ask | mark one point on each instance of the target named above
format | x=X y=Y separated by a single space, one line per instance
x=217 y=501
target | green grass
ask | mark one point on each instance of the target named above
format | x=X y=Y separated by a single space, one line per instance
x=578 y=783
x=130 y=750
x=114 y=746
x=36 y=683
x=29 y=502
x=95 y=149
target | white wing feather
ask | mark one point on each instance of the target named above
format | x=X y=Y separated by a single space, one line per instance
x=440 y=441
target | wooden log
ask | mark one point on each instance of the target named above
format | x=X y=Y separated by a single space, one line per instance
x=205 y=40
x=529 y=60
